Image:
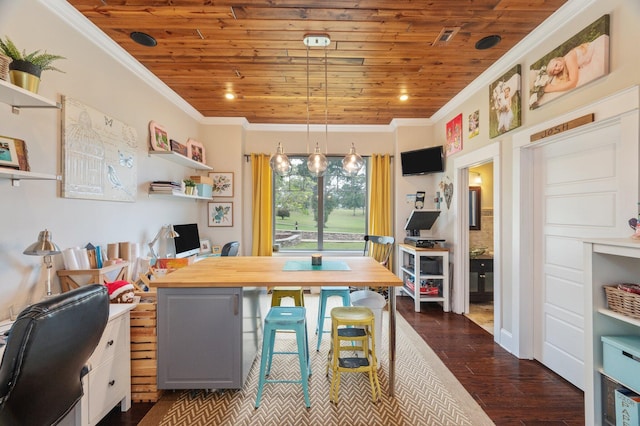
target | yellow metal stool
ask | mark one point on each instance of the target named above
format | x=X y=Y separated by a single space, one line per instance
x=353 y=325
x=279 y=293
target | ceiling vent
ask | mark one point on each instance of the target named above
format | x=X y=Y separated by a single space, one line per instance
x=446 y=35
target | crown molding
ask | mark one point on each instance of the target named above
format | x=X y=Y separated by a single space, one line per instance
x=88 y=30
x=542 y=32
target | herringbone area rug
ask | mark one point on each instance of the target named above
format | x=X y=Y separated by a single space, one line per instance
x=426 y=392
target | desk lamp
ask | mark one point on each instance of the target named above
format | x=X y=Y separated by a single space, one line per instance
x=166 y=232
x=44 y=247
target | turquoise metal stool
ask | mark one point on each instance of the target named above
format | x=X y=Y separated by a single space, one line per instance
x=289 y=318
x=325 y=293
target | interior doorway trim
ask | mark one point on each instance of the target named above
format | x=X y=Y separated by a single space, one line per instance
x=616 y=105
x=460 y=209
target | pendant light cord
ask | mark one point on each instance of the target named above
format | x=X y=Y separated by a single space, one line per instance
x=308 y=99
x=326 y=103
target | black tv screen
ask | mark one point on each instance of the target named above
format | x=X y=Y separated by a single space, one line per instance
x=422 y=161
x=188 y=241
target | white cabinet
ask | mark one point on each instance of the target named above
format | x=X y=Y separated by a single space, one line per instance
x=607 y=262
x=108 y=382
x=425 y=274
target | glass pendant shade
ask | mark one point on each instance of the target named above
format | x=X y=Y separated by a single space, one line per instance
x=279 y=162
x=317 y=163
x=352 y=162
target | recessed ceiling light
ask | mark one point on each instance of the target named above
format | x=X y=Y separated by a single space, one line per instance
x=229 y=96
x=143 y=39
x=404 y=97
x=488 y=42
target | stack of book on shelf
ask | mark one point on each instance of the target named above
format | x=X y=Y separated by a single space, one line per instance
x=165 y=187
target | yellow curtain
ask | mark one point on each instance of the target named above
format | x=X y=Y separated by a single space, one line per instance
x=261 y=216
x=380 y=198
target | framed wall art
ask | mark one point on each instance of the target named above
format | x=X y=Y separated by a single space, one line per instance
x=159 y=139
x=179 y=148
x=8 y=153
x=195 y=151
x=222 y=184
x=505 y=103
x=99 y=155
x=454 y=135
x=474 y=124
x=205 y=246
x=220 y=214
x=577 y=61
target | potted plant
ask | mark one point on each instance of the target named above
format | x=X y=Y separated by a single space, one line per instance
x=189 y=186
x=25 y=69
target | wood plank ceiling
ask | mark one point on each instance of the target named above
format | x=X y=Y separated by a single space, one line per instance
x=379 y=50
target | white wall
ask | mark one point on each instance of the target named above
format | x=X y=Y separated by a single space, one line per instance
x=104 y=84
x=624 y=65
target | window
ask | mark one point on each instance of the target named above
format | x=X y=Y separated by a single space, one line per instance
x=299 y=199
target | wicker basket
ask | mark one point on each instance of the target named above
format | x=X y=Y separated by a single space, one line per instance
x=623 y=302
x=4 y=67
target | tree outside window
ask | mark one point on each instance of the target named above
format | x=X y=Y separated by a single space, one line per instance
x=300 y=199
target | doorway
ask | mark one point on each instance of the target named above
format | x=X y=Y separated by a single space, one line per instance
x=481 y=250
x=484 y=161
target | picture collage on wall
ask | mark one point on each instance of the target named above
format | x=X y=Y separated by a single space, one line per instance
x=581 y=59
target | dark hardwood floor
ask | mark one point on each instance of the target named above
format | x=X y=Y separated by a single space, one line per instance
x=511 y=391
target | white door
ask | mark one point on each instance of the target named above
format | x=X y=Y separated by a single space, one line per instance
x=581 y=189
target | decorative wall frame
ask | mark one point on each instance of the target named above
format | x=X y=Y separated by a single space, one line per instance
x=179 y=147
x=220 y=214
x=195 y=151
x=579 y=60
x=505 y=103
x=222 y=184
x=205 y=246
x=158 y=137
x=23 y=154
x=8 y=153
x=99 y=155
x=474 y=124
x=454 y=135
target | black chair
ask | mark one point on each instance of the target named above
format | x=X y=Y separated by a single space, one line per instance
x=46 y=355
x=230 y=249
x=379 y=247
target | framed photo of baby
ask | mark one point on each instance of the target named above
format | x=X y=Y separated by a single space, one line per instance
x=579 y=60
x=505 y=103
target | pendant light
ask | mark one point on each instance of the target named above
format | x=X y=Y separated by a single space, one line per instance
x=279 y=162
x=317 y=162
x=352 y=162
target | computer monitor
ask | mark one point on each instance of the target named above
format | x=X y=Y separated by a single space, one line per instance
x=421 y=219
x=188 y=241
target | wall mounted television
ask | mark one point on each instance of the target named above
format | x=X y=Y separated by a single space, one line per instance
x=188 y=241
x=423 y=161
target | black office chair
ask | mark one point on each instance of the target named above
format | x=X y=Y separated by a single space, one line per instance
x=46 y=353
x=230 y=249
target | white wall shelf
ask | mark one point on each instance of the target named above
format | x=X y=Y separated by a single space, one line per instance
x=178 y=195
x=17 y=175
x=18 y=97
x=180 y=159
